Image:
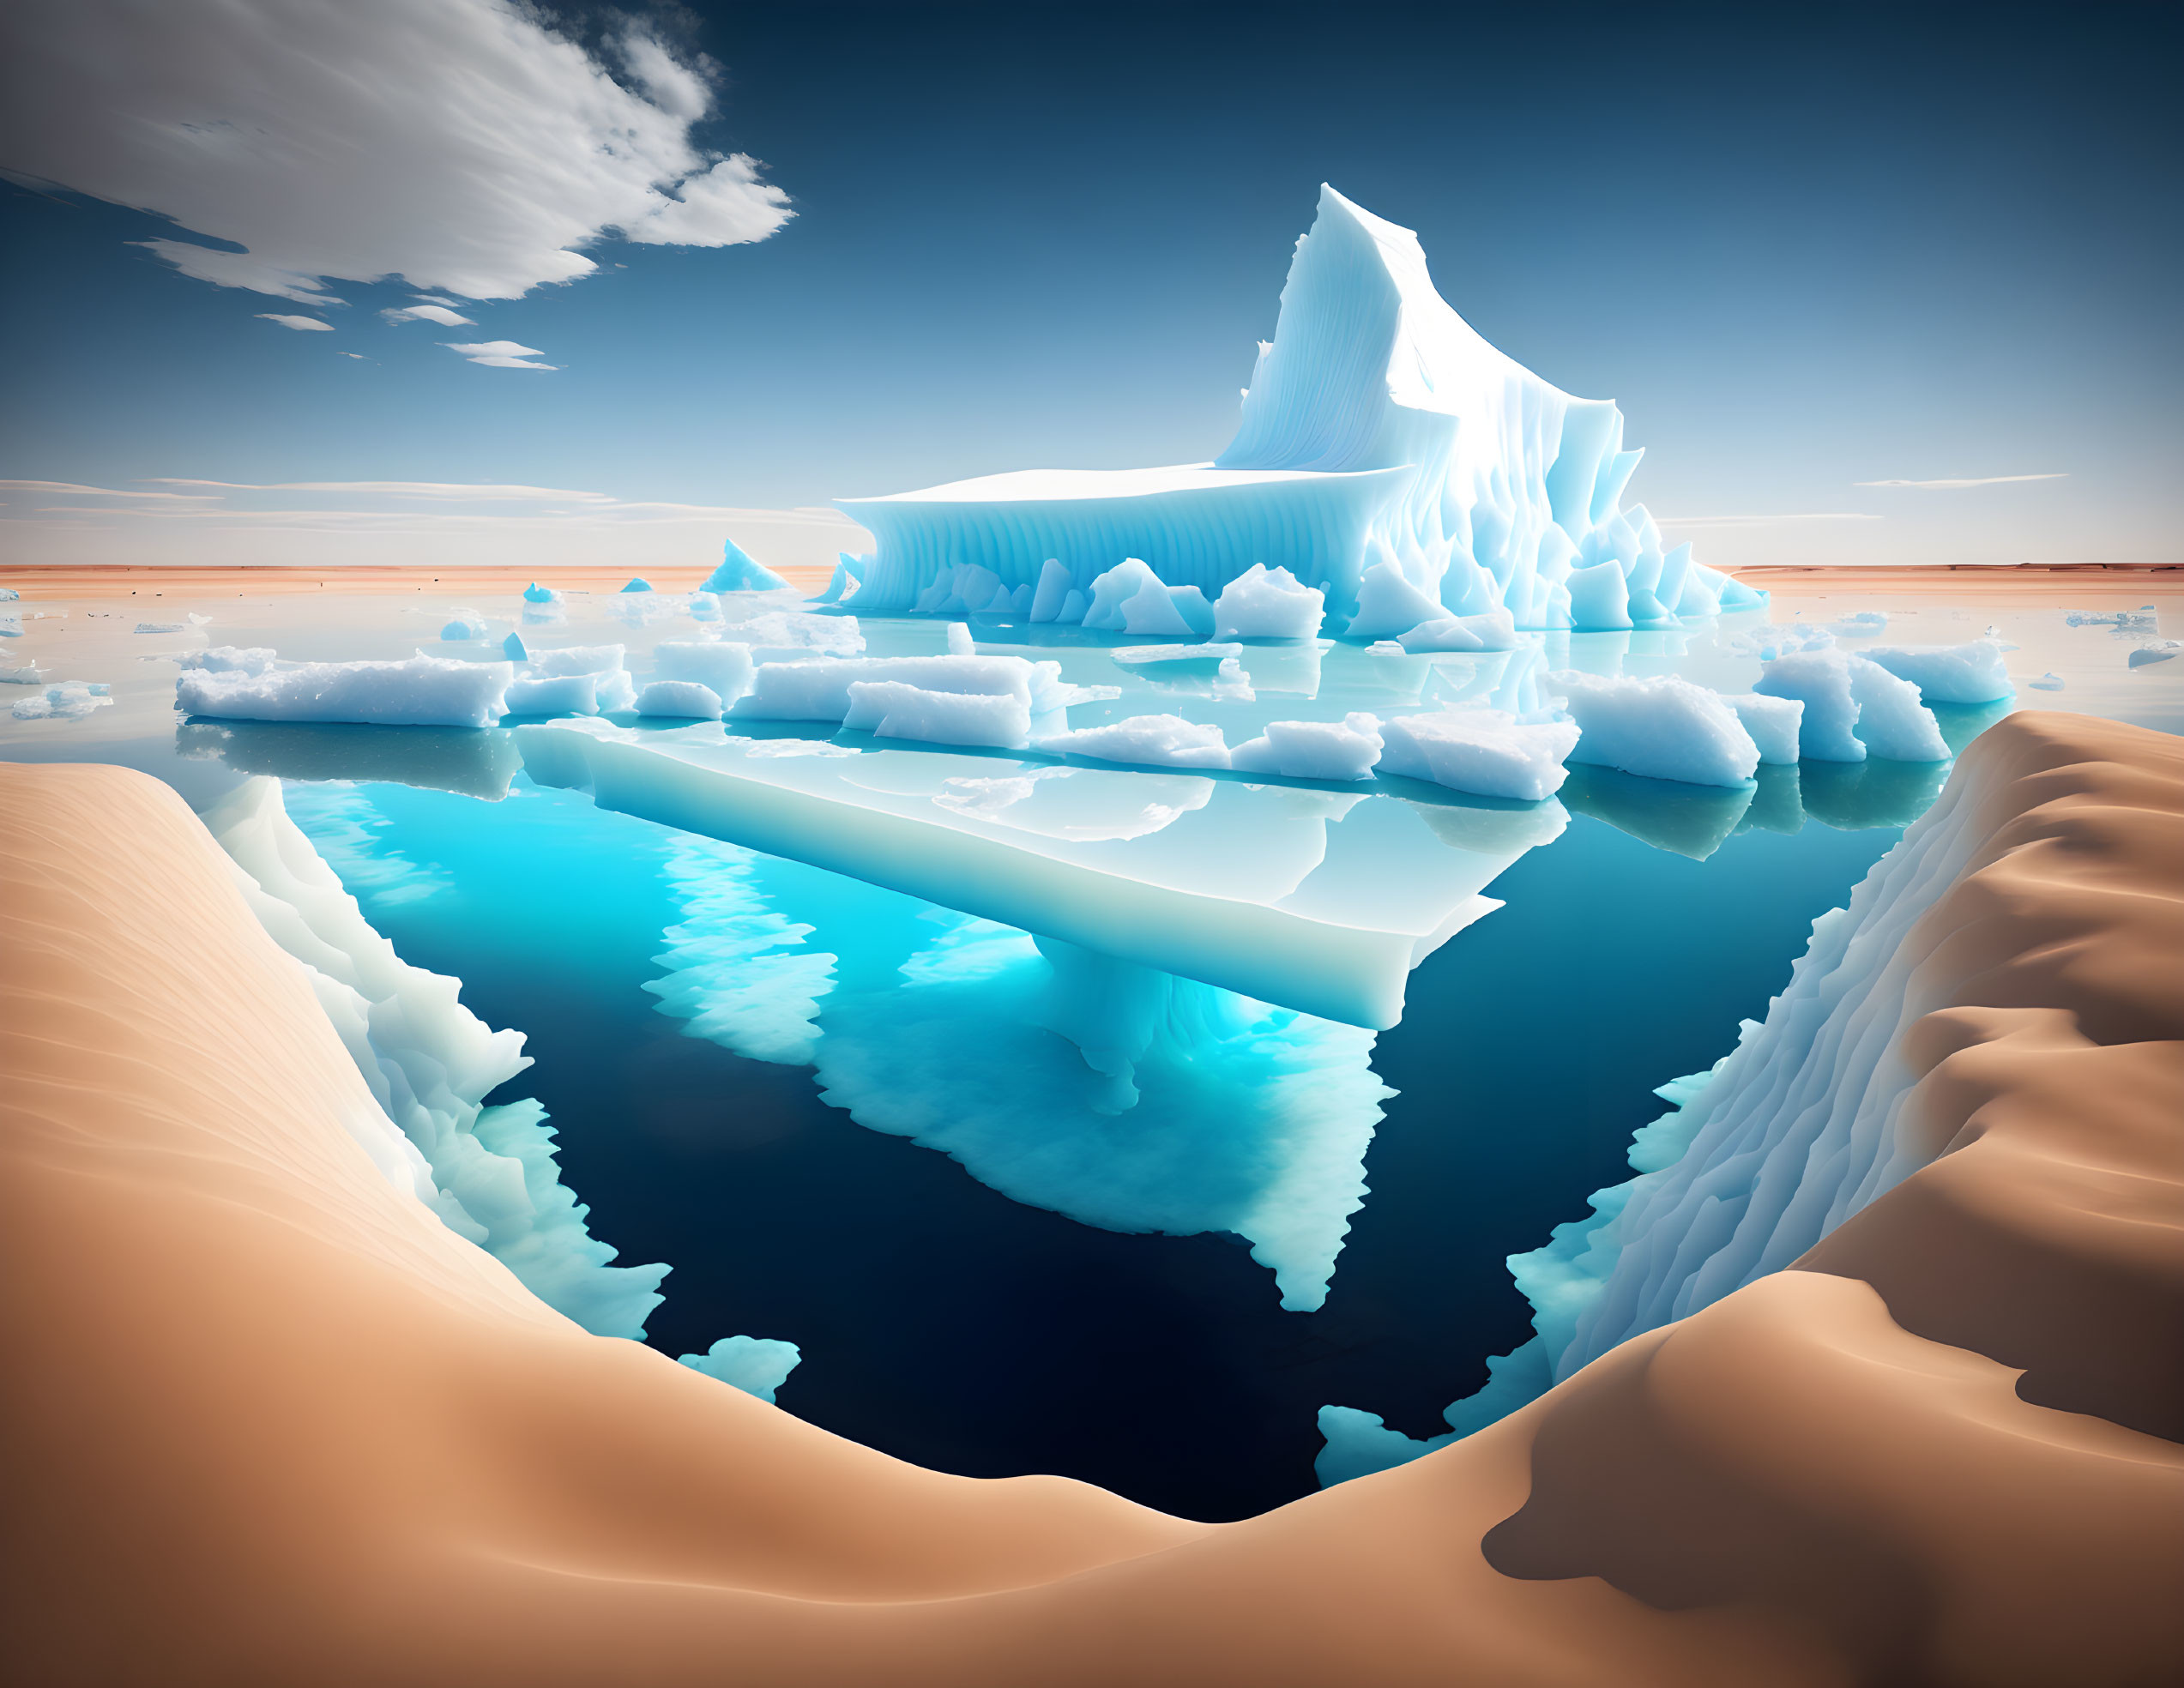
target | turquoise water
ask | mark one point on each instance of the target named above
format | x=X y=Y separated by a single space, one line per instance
x=1026 y=1206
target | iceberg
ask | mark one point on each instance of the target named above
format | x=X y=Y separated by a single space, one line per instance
x=1333 y=751
x=1148 y=741
x=1661 y=728
x=1387 y=456
x=421 y=692
x=515 y=649
x=2147 y=655
x=1488 y=752
x=740 y=572
x=536 y=593
x=70 y=700
x=636 y=583
x=1852 y=704
x=1314 y=901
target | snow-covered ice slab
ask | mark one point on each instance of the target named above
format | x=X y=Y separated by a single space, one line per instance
x=1315 y=900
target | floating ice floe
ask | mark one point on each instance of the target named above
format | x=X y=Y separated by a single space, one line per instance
x=722 y=667
x=577 y=659
x=1860 y=624
x=1966 y=673
x=1311 y=900
x=896 y=709
x=1490 y=631
x=2146 y=656
x=162 y=626
x=515 y=649
x=1662 y=727
x=28 y=674
x=1263 y=603
x=740 y=572
x=1852 y=706
x=636 y=583
x=687 y=699
x=773 y=635
x=8 y=594
x=536 y=593
x=577 y=694
x=2050 y=681
x=421 y=692
x=1149 y=741
x=70 y=700
x=1387 y=457
x=1488 y=752
x=1346 y=750
x=1163 y=662
x=818 y=689
x=464 y=624
x=1773 y=723
x=2144 y=619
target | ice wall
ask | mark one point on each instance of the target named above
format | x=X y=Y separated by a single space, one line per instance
x=1795 y=1131
x=1380 y=433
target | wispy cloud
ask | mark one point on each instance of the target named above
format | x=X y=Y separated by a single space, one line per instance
x=308 y=323
x=1952 y=486
x=466 y=146
x=500 y=354
x=429 y=312
x=76 y=489
x=499 y=491
x=1762 y=521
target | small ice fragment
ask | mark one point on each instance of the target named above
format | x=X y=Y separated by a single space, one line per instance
x=2050 y=681
x=1151 y=741
x=740 y=572
x=161 y=626
x=28 y=674
x=553 y=694
x=723 y=669
x=1967 y=673
x=1263 y=603
x=71 y=700
x=1484 y=752
x=196 y=620
x=893 y=710
x=685 y=698
x=514 y=648
x=1055 y=585
x=1862 y=622
x=2148 y=655
x=959 y=640
x=756 y=1365
x=1894 y=723
x=1343 y=750
x=1388 y=604
x=467 y=624
x=536 y=593
x=1772 y=722
x=637 y=583
x=8 y=594
x=1490 y=631
x=1167 y=661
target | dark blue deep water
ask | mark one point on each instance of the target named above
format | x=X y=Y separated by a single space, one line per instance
x=951 y=1325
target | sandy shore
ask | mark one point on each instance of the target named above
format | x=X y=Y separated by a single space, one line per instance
x=268 y=1422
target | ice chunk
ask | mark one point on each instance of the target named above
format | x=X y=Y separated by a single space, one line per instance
x=1343 y=750
x=514 y=649
x=11 y=626
x=704 y=606
x=679 y=697
x=756 y=1365
x=1151 y=741
x=637 y=583
x=849 y=574
x=1055 y=586
x=2049 y=681
x=2146 y=656
x=777 y=633
x=740 y=572
x=552 y=695
x=422 y=692
x=1129 y=598
x=1820 y=679
x=1773 y=724
x=894 y=709
x=1966 y=673
x=28 y=673
x=1263 y=603
x=1600 y=598
x=465 y=624
x=724 y=669
x=819 y=689
x=8 y=594
x=154 y=626
x=959 y=640
x=229 y=659
x=536 y=593
x=577 y=660
x=1489 y=631
x=1862 y=622
x=1663 y=728
x=71 y=700
x=1388 y=604
x=1891 y=721
x=1486 y=751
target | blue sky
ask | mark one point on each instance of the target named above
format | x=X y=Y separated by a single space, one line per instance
x=1849 y=246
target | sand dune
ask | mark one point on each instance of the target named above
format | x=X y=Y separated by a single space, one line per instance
x=268 y=1422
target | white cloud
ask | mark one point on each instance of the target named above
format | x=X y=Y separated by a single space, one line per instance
x=497 y=491
x=1950 y=485
x=430 y=313
x=76 y=489
x=460 y=144
x=302 y=322
x=500 y=354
